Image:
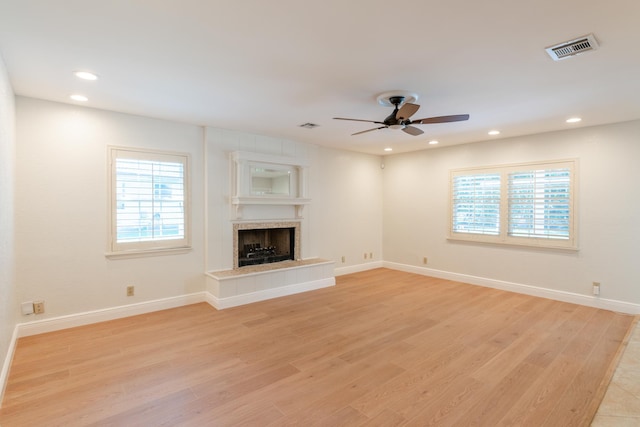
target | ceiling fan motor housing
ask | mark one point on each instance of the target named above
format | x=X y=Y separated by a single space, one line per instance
x=392 y=119
x=396 y=100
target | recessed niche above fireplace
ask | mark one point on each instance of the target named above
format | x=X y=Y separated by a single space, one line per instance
x=262 y=179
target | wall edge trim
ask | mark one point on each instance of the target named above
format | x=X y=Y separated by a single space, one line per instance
x=536 y=291
x=106 y=314
x=6 y=366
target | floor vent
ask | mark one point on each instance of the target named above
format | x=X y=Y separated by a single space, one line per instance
x=572 y=47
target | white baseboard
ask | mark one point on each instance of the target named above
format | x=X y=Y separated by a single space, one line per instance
x=340 y=271
x=586 y=300
x=86 y=318
x=222 y=303
x=4 y=374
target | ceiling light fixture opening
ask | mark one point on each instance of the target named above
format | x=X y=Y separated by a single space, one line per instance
x=434 y=142
x=85 y=75
x=79 y=98
x=309 y=125
x=494 y=132
x=574 y=120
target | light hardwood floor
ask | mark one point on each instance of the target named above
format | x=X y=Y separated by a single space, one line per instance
x=381 y=348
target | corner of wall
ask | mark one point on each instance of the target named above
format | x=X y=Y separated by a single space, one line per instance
x=9 y=300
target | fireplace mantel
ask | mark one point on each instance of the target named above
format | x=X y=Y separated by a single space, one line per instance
x=239 y=202
x=262 y=179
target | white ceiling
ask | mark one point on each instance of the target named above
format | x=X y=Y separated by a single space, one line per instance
x=268 y=66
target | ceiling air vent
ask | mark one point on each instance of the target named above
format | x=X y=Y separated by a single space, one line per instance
x=572 y=47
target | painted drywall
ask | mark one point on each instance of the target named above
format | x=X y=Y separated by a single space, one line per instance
x=8 y=298
x=416 y=201
x=61 y=209
x=346 y=212
x=344 y=217
x=61 y=206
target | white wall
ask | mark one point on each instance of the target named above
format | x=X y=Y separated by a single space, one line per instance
x=343 y=219
x=346 y=211
x=416 y=212
x=8 y=298
x=61 y=206
x=61 y=210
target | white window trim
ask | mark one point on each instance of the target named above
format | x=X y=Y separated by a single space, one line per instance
x=151 y=248
x=503 y=238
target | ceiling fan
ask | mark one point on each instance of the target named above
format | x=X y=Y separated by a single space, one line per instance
x=400 y=118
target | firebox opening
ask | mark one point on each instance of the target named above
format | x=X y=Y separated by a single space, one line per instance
x=265 y=245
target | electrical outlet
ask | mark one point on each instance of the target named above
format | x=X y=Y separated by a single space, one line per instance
x=38 y=307
x=596 y=288
x=370 y=255
x=424 y=260
x=343 y=259
x=130 y=291
x=365 y=255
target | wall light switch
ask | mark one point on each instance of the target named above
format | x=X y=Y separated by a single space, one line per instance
x=27 y=307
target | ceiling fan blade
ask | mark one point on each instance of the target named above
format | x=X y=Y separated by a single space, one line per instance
x=407 y=110
x=413 y=130
x=358 y=120
x=368 y=130
x=441 y=119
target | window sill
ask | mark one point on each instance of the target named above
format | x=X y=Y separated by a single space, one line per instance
x=513 y=243
x=147 y=253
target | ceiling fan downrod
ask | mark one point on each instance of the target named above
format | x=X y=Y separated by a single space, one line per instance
x=392 y=120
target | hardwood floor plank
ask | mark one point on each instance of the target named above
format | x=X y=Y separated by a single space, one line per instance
x=543 y=395
x=580 y=401
x=382 y=347
x=386 y=418
x=340 y=395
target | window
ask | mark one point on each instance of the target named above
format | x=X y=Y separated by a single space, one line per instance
x=528 y=204
x=149 y=201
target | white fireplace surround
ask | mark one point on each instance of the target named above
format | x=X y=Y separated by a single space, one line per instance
x=264 y=181
x=265 y=225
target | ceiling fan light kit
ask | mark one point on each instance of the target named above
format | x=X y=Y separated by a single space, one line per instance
x=403 y=109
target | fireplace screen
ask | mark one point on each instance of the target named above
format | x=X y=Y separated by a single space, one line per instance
x=265 y=245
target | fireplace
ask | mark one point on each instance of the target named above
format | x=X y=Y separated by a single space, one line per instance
x=265 y=243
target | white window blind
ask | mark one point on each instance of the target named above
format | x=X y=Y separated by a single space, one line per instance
x=149 y=200
x=530 y=204
x=540 y=203
x=476 y=204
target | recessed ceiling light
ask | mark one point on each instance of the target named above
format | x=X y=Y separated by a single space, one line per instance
x=434 y=142
x=574 y=120
x=85 y=75
x=494 y=132
x=80 y=98
x=388 y=149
